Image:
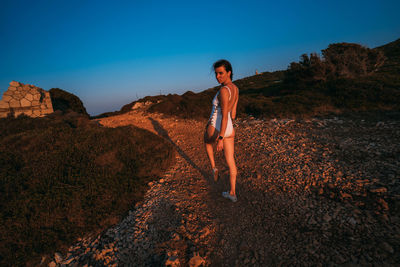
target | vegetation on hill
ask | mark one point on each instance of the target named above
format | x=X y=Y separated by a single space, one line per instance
x=347 y=77
x=63 y=176
x=66 y=102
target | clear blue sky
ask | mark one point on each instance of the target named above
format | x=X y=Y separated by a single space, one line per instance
x=111 y=52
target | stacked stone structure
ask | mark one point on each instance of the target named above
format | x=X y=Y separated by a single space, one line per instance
x=25 y=99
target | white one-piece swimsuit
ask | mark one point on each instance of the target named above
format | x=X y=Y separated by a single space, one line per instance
x=216 y=115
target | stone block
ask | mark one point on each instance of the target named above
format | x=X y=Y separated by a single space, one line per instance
x=47 y=111
x=43 y=106
x=25 y=103
x=3 y=114
x=4 y=104
x=7 y=93
x=35 y=103
x=17 y=113
x=26 y=87
x=12 y=88
x=28 y=112
x=29 y=96
x=14 y=103
x=7 y=98
x=48 y=103
x=14 y=83
x=36 y=113
x=36 y=96
x=17 y=97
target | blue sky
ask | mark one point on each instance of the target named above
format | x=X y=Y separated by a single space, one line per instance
x=111 y=52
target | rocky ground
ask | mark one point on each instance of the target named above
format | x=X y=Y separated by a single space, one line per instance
x=320 y=192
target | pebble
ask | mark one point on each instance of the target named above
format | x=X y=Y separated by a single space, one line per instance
x=58 y=257
x=387 y=247
x=327 y=218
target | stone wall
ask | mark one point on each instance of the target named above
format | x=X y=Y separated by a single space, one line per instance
x=25 y=99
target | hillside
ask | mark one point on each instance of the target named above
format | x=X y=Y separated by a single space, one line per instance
x=348 y=77
x=392 y=52
x=62 y=176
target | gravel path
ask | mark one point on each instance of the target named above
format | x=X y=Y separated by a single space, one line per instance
x=310 y=192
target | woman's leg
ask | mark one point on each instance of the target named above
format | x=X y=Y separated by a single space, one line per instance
x=209 y=140
x=230 y=160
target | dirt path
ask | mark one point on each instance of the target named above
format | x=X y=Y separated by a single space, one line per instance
x=311 y=192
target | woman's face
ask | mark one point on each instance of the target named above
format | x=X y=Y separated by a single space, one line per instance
x=221 y=75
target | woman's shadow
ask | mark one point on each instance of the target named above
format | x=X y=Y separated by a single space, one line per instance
x=162 y=132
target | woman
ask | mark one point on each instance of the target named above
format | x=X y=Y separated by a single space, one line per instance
x=219 y=128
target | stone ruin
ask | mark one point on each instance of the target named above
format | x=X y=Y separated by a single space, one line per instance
x=25 y=99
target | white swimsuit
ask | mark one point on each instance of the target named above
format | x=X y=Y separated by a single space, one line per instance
x=216 y=115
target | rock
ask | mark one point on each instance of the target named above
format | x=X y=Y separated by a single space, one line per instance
x=137 y=105
x=68 y=261
x=312 y=221
x=379 y=190
x=43 y=259
x=196 y=260
x=58 y=257
x=388 y=248
x=352 y=221
x=36 y=113
x=172 y=261
x=25 y=103
x=14 y=103
x=383 y=203
x=6 y=98
x=205 y=232
x=345 y=195
x=14 y=83
x=4 y=104
x=327 y=218
x=36 y=97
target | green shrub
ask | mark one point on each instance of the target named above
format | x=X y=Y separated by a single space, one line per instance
x=66 y=176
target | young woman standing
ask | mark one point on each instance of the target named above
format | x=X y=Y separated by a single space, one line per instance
x=219 y=128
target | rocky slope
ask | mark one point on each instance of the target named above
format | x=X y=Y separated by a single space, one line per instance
x=322 y=191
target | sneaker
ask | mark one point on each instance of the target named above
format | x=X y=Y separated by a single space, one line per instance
x=215 y=174
x=229 y=196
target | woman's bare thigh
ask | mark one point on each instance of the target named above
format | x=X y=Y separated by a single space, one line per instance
x=229 y=150
x=210 y=134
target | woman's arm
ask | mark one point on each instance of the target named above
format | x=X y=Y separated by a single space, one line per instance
x=224 y=100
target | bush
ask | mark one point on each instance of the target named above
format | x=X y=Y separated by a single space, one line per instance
x=65 y=176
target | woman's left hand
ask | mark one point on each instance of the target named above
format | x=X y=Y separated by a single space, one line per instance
x=220 y=145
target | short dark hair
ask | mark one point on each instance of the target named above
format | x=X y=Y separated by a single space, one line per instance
x=226 y=64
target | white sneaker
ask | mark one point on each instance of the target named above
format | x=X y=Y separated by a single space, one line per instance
x=229 y=196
